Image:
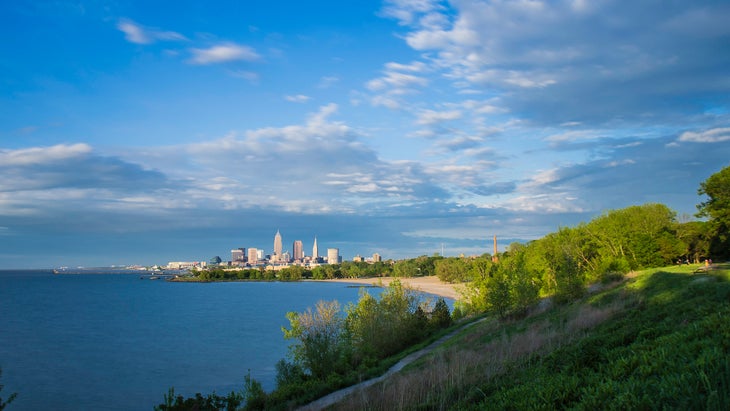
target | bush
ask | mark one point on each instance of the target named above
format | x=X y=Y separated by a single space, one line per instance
x=440 y=316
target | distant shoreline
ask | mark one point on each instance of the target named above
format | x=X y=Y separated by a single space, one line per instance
x=429 y=285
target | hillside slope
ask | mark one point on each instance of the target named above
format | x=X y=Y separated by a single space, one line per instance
x=658 y=340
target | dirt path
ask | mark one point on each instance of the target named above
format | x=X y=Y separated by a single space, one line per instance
x=337 y=396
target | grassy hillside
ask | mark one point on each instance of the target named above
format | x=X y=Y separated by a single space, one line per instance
x=657 y=340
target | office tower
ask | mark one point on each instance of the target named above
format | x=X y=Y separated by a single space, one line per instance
x=298 y=250
x=315 y=251
x=377 y=258
x=238 y=255
x=333 y=255
x=253 y=256
x=495 y=258
x=277 y=247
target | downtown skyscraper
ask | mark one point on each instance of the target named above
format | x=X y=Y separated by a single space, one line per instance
x=277 y=246
x=297 y=250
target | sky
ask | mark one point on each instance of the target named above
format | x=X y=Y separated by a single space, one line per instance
x=135 y=132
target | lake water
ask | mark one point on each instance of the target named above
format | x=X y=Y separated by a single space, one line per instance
x=116 y=342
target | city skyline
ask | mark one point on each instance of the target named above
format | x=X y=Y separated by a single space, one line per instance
x=278 y=252
x=140 y=132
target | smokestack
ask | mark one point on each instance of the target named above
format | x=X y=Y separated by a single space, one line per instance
x=494 y=255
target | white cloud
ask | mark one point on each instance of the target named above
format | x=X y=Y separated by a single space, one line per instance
x=42 y=155
x=299 y=98
x=138 y=34
x=385 y=101
x=572 y=135
x=416 y=67
x=328 y=81
x=431 y=117
x=407 y=10
x=715 y=135
x=223 y=53
x=396 y=80
x=559 y=62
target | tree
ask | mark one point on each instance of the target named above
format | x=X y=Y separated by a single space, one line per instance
x=320 y=337
x=524 y=286
x=451 y=270
x=406 y=268
x=474 y=295
x=717 y=190
x=498 y=296
x=379 y=327
x=695 y=238
x=717 y=209
x=440 y=315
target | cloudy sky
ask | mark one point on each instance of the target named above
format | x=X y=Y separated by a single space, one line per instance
x=138 y=132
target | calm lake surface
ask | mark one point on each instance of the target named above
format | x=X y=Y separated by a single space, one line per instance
x=117 y=342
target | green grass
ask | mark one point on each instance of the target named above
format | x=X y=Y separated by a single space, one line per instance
x=659 y=340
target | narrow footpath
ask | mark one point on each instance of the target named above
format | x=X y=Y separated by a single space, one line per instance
x=337 y=396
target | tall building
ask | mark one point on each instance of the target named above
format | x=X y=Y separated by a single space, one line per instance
x=238 y=255
x=253 y=256
x=333 y=256
x=315 y=250
x=277 y=247
x=377 y=258
x=298 y=250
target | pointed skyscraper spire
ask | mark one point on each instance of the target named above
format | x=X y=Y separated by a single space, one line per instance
x=278 y=248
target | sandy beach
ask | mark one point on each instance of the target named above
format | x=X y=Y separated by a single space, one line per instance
x=430 y=285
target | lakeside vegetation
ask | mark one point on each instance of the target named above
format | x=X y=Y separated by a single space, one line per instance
x=563 y=327
x=658 y=340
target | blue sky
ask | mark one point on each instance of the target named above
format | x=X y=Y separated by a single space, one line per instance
x=147 y=132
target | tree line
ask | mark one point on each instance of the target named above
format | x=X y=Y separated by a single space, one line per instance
x=561 y=264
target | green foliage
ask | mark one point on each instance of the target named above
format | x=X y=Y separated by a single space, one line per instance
x=524 y=285
x=253 y=394
x=288 y=373
x=497 y=293
x=667 y=350
x=330 y=352
x=509 y=286
x=319 y=336
x=416 y=267
x=561 y=264
x=211 y=402
x=452 y=270
x=717 y=190
x=11 y=397
x=612 y=268
x=717 y=209
x=695 y=237
x=292 y=273
x=440 y=315
x=379 y=327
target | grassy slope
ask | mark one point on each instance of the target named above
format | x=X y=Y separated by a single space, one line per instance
x=660 y=340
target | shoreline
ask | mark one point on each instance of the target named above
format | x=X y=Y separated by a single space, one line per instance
x=428 y=285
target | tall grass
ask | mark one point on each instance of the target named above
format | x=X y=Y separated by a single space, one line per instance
x=486 y=351
x=661 y=340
